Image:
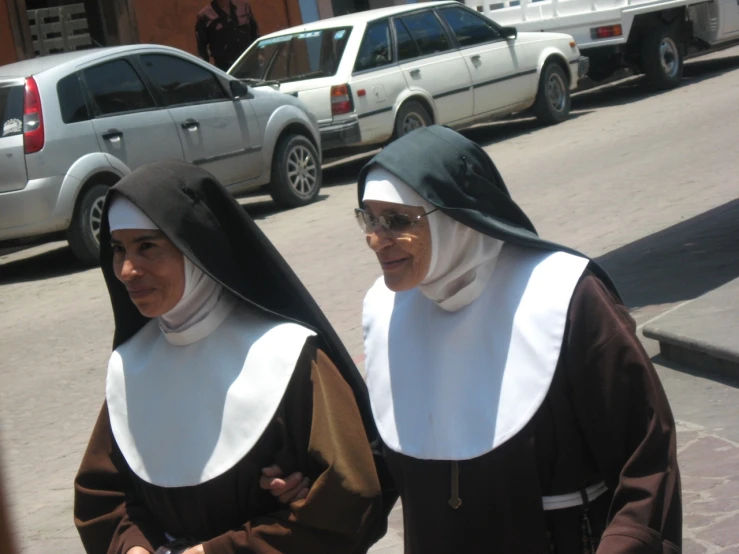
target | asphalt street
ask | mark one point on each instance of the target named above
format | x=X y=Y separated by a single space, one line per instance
x=646 y=183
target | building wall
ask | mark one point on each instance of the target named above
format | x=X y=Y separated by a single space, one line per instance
x=7 y=45
x=172 y=22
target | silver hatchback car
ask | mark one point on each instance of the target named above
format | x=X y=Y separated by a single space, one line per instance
x=73 y=124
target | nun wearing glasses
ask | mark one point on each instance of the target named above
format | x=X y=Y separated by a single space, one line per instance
x=517 y=410
x=222 y=365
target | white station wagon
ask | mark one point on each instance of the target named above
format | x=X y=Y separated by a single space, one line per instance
x=374 y=76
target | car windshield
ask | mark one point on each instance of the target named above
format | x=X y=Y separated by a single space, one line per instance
x=11 y=110
x=296 y=57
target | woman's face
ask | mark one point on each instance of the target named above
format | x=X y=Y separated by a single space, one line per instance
x=405 y=257
x=151 y=268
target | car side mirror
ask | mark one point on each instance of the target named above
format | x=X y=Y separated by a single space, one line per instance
x=510 y=33
x=238 y=89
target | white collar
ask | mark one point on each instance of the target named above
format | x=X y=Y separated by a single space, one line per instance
x=184 y=414
x=456 y=385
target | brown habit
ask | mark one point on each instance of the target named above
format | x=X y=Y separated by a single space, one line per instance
x=317 y=430
x=606 y=418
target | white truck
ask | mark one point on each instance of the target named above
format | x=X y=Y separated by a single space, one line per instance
x=653 y=37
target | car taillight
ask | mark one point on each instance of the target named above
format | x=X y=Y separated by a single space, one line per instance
x=33 y=118
x=606 y=32
x=341 y=100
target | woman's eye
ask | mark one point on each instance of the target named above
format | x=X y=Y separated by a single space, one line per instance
x=146 y=245
x=117 y=249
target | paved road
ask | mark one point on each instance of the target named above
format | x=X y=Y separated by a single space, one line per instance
x=644 y=182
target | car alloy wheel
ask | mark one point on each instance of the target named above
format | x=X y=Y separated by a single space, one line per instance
x=96 y=218
x=302 y=170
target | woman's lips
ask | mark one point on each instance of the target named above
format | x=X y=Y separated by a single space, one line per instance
x=389 y=265
x=139 y=293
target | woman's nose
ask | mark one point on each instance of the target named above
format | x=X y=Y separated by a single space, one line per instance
x=378 y=239
x=128 y=270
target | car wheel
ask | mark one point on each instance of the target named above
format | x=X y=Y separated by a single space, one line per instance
x=553 y=100
x=411 y=116
x=296 y=172
x=83 y=234
x=661 y=58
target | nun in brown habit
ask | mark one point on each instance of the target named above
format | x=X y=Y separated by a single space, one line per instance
x=517 y=410
x=222 y=365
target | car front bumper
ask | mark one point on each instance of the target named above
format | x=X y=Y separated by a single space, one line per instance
x=340 y=135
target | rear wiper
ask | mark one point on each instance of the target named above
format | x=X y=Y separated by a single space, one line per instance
x=261 y=82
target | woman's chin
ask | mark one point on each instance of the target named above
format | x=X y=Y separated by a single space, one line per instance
x=397 y=283
x=147 y=309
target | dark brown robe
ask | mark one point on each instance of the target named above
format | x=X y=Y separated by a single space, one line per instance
x=317 y=430
x=7 y=543
x=606 y=418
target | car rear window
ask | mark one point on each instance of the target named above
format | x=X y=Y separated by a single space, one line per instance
x=72 y=100
x=11 y=110
x=295 y=57
x=117 y=88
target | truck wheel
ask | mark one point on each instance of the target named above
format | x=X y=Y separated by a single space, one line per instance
x=411 y=116
x=553 y=100
x=83 y=234
x=661 y=58
x=296 y=172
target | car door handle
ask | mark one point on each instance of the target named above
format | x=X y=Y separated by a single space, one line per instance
x=415 y=73
x=113 y=135
x=190 y=125
x=475 y=59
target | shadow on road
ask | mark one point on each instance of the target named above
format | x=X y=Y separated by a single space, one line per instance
x=261 y=207
x=681 y=262
x=56 y=262
x=636 y=88
x=486 y=134
x=717 y=376
x=345 y=172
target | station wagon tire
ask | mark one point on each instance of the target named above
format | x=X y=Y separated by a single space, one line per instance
x=411 y=116
x=83 y=234
x=553 y=101
x=296 y=172
x=662 y=57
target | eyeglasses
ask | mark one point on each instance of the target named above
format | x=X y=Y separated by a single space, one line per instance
x=391 y=223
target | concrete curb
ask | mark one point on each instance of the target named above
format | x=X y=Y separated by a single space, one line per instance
x=703 y=334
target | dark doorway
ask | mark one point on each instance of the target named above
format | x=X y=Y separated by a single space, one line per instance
x=343 y=7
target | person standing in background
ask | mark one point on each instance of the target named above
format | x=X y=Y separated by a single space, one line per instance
x=224 y=29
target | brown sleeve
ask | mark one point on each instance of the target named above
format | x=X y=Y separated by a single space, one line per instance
x=623 y=410
x=343 y=511
x=107 y=514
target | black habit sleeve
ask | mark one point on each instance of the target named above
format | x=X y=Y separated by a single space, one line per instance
x=626 y=419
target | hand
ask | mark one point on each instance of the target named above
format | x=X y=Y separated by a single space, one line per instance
x=288 y=490
x=137 y=550
x=195 y=550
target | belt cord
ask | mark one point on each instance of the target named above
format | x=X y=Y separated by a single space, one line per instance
x=455 y=502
